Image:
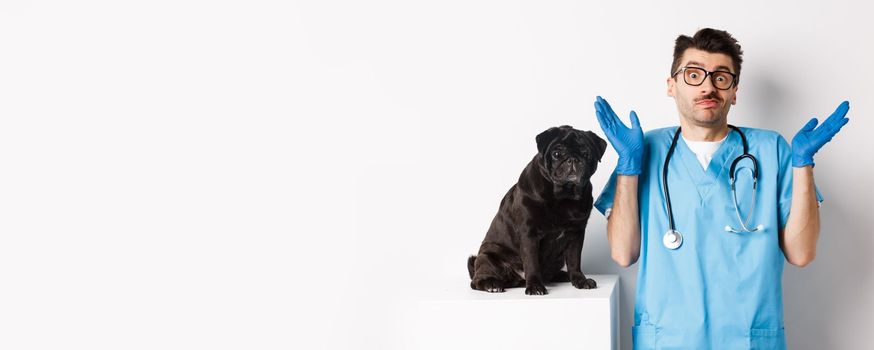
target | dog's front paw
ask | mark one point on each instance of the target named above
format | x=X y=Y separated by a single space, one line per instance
x=535 y=289
x=582 y=282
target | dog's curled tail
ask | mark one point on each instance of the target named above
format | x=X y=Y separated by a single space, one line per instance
x=470 y=262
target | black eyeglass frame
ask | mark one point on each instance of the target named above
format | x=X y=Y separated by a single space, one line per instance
x=706 y=74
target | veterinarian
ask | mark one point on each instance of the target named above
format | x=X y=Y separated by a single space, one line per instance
x=711 y=256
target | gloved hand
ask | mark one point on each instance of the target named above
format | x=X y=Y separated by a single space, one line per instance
x=628 y=143
x=809 y=140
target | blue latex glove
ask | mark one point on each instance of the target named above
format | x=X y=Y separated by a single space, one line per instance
x=628 y=143
x=809 y=140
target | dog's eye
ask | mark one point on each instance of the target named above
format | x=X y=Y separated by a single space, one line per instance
x=556 y=154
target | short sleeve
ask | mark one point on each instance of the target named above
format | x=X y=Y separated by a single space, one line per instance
x=604 y=203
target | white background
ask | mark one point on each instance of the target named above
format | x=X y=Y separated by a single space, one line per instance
x=266 y=175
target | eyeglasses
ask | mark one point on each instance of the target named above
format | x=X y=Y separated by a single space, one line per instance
x=695 y=76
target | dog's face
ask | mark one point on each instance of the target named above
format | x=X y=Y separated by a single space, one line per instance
x=569 y=156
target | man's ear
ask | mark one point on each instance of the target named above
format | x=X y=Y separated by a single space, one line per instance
x=544 y=138
x=600 y=144
x=671 y=86
x=734 y=99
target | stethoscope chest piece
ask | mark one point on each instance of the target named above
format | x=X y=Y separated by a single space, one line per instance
x=672 y=239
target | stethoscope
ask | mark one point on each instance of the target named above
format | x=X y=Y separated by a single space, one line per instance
x=673 y=238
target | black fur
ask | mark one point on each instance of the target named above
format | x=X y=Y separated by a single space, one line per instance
x=541 y=222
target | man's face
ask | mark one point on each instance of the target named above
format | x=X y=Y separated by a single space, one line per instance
x=703 y=105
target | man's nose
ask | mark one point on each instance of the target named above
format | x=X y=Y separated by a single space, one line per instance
x=707 y=86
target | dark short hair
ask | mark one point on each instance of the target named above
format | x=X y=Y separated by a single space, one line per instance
x=710 y=40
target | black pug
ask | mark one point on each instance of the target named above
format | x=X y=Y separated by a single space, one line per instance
x=541 y=222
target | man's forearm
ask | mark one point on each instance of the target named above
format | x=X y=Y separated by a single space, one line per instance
x=623 y=224
x=802 y=228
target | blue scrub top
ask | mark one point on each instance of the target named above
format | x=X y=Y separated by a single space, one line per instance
x=719 y=290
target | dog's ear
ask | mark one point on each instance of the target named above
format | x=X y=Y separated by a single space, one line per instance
x=544 y=138
x=600 y=144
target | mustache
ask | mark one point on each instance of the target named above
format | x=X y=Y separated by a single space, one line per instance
x=711 y=96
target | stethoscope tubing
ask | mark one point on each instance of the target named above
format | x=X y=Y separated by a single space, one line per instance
x=673 y=238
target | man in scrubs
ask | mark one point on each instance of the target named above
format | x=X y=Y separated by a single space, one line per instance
x=717 y=285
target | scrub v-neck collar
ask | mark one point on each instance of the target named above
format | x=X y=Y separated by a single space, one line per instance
x=706 y=179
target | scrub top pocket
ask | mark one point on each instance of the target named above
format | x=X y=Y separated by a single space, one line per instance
x=767 y=339
x=644 y=337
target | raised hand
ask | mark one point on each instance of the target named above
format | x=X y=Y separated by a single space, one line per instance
x=809 y=140
x=628 y=142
